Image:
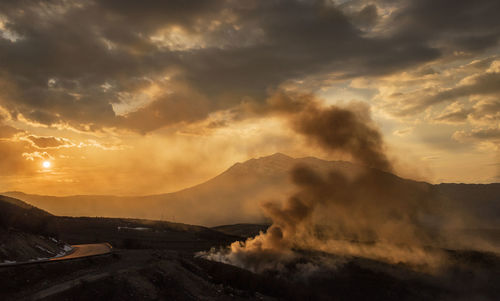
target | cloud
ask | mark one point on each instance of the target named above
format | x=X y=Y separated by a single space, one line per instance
x=486 y=110
x=463 y=26
x=492 y=134
x=37 y=155
x=478 y=84
x=222 y=51
x=48 y=142
x=403 y=132
x=454 y=113
x=106 y=69
x=167 y=110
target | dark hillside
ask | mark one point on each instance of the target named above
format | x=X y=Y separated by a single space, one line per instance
x=22 y=216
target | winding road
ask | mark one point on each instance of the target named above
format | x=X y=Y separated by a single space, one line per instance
x=78 y=251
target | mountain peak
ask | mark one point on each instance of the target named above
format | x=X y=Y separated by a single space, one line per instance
x=276 y=156
x=265 y=164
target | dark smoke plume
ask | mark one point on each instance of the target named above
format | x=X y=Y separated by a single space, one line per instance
x=349 y=130
x=334 y=128
x=370 y=213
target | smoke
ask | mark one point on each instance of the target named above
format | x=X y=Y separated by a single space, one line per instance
x=347 y=130
x=372 y=214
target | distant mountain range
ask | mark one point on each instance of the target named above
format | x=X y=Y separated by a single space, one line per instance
x=234 y=195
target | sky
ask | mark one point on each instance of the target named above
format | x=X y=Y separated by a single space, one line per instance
x=143 y=97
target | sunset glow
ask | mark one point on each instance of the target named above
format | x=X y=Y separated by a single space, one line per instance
x=250 y=150
x=46 y=164
x=154 y=98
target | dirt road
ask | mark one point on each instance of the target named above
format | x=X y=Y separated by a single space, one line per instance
x=80 y=251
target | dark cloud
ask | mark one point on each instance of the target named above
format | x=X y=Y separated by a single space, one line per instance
x=459 y=26
x=367 y=16
x=300 y=39
x=58 y=55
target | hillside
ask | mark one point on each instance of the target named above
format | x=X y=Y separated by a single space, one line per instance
x=15 y=213
x=234 y=195
x=24 y=232
x=27 y=232
x=242 y=230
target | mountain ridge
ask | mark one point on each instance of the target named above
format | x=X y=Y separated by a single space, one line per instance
x=236 y=167
x=234 y=195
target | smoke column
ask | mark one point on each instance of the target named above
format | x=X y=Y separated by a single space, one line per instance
x=372 y=214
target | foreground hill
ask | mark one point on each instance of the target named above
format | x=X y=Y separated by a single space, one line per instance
x=153 y=260
x=24 y=232
x=235 y=195
x=27 y=232
x=19 y=215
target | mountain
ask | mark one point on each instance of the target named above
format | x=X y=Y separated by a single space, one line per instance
x=231 y=197
x=234 y=195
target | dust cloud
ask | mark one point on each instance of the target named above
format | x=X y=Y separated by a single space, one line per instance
x=370 y=213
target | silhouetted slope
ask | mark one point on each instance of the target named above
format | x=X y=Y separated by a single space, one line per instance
x=242 y=230
x=17 y=214
x=24 y=232
x=24 y=227
x=21 y=206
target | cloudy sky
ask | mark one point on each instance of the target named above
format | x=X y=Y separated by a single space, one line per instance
x=142 y=97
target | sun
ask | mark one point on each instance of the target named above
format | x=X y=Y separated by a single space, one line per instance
x=46 y=164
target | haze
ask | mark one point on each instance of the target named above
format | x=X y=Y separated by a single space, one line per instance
x=136 y=98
